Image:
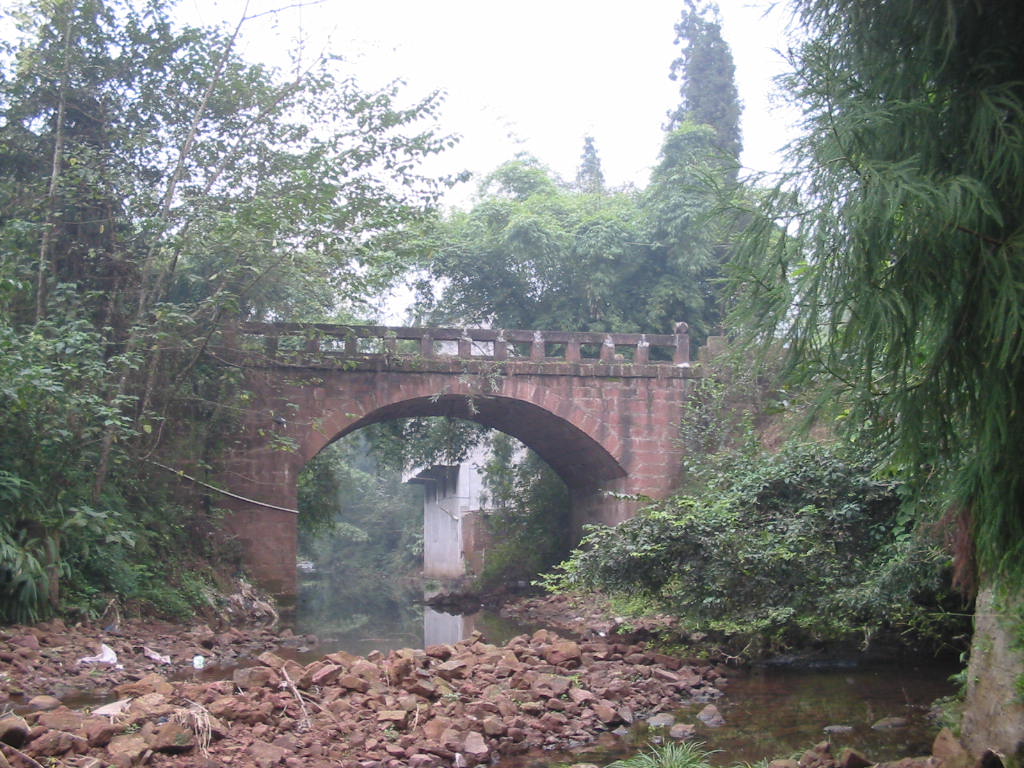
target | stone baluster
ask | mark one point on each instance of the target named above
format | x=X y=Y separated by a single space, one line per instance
x=500 y=347
x=312 y=344
x=682 y=355
x=572 y=350
x=643 y=350
x=608 y=350
x=351 y=344
x=537 y=347
x=465 y=345
x=427 y=344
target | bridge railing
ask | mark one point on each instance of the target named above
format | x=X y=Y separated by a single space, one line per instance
x=276 y=340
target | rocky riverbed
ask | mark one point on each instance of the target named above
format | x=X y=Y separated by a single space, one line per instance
x=131 y=694
x=447 y=705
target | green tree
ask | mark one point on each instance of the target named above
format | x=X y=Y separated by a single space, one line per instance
x=891 y=261
x=708 y=78
x=533 y=253
x=589 y=177
x=154 y=185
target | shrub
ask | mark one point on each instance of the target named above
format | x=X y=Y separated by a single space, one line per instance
x=804 y=545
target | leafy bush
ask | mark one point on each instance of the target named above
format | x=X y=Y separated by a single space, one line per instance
x=807 y=544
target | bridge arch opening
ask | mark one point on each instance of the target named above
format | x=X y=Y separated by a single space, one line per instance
x=359 y=568
x=582 y=462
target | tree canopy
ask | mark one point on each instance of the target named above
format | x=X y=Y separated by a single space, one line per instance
x=707 y=78
x=891 y=260
x=154 y=185
x=536 y=253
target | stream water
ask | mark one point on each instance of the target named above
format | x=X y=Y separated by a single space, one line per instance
x=769 y=712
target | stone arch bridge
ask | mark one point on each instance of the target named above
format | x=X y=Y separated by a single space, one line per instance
x=603 y=410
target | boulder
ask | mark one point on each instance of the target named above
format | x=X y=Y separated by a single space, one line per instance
x=475 y=746
x=271 y=660
x=948 y=749
x=248 y=678
x=151 y=683
x=43 y=703
x=171 y=738
x=563 y=654
x=127 y=749
x=663 y=720
x=711 y=717
x=683 y=731
x=99 y=731
x=61 y=719
x=13 y=730
x=56 y=744
x=267 y=755
x=852 y=758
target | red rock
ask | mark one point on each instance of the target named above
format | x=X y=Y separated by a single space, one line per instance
x=422 y=686
x=127 y=749
x=57 y=743
x=434 y=728
x=682 y=731
x=580 y=695
x=170 y=737
x=551 y=685
x=326 y=675
x=852 y=758
x=341 y=658
x=99 y=731
x=354 y=683
x=150 y=705
x=267 y=755
x=711 y=717
x=237 y=709
x=249 y=678
x=61 y=719
x=271 y=660
x=947 y=749
x=43 y=703
x=365 y=669
x=475 y=746
x=394 y=717
x=151 y=683
x=14 y=730
x=494 y=726
x=563 y=654
x=28 y=641
x=605 y=713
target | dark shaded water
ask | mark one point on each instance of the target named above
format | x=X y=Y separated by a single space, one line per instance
x=774 y=712
x=769 y=712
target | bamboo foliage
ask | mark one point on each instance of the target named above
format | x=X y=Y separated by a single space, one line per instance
x=890 y=256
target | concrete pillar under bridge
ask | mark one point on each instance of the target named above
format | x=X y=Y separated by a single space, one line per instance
x=608 y=428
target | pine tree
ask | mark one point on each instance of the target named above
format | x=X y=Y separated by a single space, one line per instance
x=708 y=76
x=589 y=177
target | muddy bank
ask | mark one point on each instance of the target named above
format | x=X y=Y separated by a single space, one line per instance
x=448 y=705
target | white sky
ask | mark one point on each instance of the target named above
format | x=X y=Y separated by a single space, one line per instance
x=533 y=75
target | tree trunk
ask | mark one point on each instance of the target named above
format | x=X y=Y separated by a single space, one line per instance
x=994 y=708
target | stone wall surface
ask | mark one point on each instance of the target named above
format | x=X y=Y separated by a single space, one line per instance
x=602 y=427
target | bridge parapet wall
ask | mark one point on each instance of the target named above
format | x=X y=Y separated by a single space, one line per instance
x=299 y=342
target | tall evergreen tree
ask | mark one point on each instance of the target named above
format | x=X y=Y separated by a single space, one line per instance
x=891 y=260
x=589 y=177
x=708 y=78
